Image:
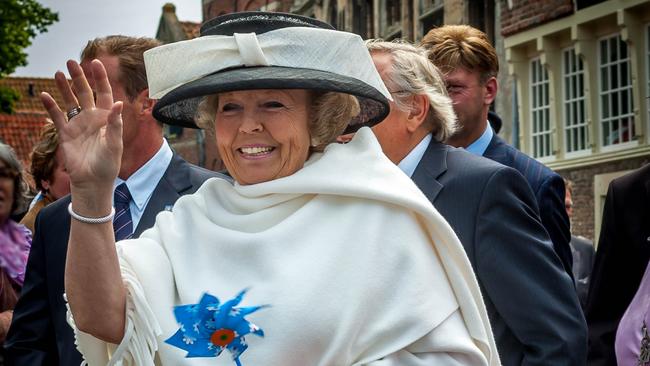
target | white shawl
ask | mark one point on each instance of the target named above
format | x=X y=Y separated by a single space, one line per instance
x=341 y=250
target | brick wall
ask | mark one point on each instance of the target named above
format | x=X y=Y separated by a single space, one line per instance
x=526 y=14
x=583 y=191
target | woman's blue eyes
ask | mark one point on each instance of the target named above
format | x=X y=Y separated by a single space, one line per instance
x=273 y=105
x=229 y=107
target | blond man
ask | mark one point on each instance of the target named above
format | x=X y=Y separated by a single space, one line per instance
x=470 y=66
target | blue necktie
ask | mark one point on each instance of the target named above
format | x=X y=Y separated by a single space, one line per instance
x=122 y=223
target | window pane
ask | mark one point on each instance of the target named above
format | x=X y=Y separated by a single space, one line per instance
x=581 y=88
x=613 y=49
x=574 y=87
x=625 y=76
x=613 y=77
x=545 y=88
x=617 y=109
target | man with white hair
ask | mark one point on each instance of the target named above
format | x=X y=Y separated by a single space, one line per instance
x=533 y=309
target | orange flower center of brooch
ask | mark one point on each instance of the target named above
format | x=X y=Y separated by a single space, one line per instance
x=222 y=337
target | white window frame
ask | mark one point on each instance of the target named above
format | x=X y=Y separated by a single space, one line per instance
x=602 y=120
x=571 y=101
x=541 y=132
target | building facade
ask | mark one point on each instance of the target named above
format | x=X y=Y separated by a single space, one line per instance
x=581 y=71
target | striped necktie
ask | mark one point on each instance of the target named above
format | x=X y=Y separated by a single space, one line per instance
x=122 y=223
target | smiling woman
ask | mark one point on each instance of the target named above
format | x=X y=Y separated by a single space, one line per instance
x=397 y=290
x=268 y=134
x=263 y=135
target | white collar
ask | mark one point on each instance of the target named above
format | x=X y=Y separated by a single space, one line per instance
x=140 y=183
x=411 y=161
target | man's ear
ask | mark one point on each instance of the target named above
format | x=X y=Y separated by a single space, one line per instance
x=418 y=113
x=491 y=87
x=146 y=102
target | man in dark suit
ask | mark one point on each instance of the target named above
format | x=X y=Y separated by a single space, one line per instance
x=621 y=259
x=533 y=308
x=470 y=65
x=154 y=177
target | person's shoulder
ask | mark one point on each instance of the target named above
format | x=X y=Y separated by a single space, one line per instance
x=56 y=208
x=468 y=164
x=534 y=171
x=640 y=177
x=195 y=172
x=205 y=174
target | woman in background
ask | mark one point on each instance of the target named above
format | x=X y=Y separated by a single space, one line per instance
x=15 y=239
x=49 y=173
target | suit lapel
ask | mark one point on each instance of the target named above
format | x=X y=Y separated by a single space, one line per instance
x=495 y=151
x=432 y=165
x=172 y=184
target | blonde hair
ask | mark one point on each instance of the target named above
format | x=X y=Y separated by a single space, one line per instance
x=451 y=46
x=412 y=74
x=43 y=155
x=330 y=113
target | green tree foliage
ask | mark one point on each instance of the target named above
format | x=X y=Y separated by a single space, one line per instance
x=8 y=99
x=20 y=21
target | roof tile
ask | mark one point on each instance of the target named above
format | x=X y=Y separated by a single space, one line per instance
x=21 y=130
x=29 y=89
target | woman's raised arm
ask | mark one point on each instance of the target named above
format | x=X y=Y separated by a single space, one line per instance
x=92 y=146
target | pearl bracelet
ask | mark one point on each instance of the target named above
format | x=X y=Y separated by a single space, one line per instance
x=91 y=220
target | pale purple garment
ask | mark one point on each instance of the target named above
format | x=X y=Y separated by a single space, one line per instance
x=629 y=333
x=15 y=243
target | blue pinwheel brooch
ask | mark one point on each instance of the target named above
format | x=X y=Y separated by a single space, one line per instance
x=207 y=328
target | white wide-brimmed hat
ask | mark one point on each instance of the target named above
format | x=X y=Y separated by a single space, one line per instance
x=260 y=50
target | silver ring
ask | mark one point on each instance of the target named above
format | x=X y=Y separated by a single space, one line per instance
x=73 y=112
